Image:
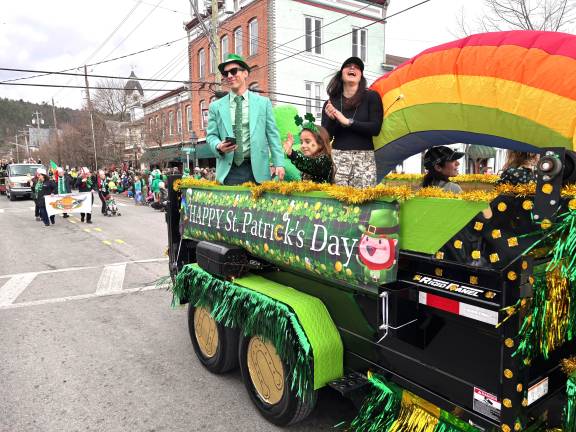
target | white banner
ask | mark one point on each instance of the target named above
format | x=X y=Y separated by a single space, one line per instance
x=80 y=202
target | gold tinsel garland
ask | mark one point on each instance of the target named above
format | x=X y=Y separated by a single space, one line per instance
x=464 y=178
x=569 y=366
x=351 y=195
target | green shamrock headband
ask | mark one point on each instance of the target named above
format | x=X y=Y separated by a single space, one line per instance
x=310 y=125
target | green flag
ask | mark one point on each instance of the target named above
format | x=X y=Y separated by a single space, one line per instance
x=53 y=165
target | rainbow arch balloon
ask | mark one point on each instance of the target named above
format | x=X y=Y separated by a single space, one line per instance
x=513 y=90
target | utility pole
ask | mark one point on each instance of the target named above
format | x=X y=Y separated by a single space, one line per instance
x=91 y=116
x=17 y=154
x=56 y=134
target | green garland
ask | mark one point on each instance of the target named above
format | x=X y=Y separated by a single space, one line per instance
x=570 y=409
x=386 y=409
x=238 y=307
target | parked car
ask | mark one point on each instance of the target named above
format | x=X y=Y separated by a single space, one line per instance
x=17 y=180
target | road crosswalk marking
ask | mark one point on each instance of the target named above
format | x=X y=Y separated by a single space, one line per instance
x=14 y=287
x=111 y=279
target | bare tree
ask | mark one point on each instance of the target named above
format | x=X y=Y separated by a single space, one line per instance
x=111 y=99
x=548 y=15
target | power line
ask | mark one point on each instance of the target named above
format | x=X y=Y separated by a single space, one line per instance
x=97 y=76
x=77 y=86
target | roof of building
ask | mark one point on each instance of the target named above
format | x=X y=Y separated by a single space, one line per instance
x=394 y=60
x=133 y=84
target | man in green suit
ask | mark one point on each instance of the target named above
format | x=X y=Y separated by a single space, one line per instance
x=242 y=132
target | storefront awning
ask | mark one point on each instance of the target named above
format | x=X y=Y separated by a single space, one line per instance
x=476 y=152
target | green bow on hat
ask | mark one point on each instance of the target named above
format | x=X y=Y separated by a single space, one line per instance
x=233 y=58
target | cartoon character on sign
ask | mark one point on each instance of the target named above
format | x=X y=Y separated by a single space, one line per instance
x=67 y=203
x=378 y=245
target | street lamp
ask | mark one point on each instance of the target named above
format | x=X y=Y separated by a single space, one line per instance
x=194 y=141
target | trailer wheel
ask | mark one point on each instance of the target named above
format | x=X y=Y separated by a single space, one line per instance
x=214 y=344
x=264 y=375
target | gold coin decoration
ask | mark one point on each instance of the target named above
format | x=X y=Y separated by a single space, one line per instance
x=572 y=204
x=476 y=254
x=440 y=255
x=527 y=205
x=502 y=207
x=545 y=224
x=519 y=388
x=489 y=294
x=266 y=370
x=547 y=188
x=474 y=280
x=496 y=234
x=506 y=428
x=512 y=275
x=478 y=226
x=507 y=403
x=513 y=241
x=458 y=244
x=508 y=373
x=438 y=271
x=524 y=402
x=509 y=343
x=518 y=426
x=206 y=332
x=524 y=265
x=494 y=258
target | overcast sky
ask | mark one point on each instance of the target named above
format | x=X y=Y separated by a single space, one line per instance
x=62 y=34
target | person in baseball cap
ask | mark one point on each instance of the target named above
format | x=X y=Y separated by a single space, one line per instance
x=441 y=163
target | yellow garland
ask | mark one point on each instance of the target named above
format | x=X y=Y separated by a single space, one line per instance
x=569 y=366
x=351 y=195
x=464 y=178
x=557 y=309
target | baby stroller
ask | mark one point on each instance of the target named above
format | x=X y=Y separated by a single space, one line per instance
x=111 y=207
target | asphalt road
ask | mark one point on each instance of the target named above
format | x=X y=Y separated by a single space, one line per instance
x=88 y=342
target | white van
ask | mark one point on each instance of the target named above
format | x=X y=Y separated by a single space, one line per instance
x=18 y=178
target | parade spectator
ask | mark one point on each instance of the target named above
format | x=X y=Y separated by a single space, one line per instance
x=162 y=198
x=36 y=185
x=519 y=168
x=85 y=182
x=48 y=187
x=247 y=119
x=314 y=158
x=441 y=163
x=63 y=185
x=102 y=187
x=352 y=116
x=137 y=190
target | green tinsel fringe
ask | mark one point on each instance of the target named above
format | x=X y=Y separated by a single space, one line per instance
x=384 y=408
x=256 y=314
x=564 y=250
x=570 y=409
x=532 y=329
x=380 y=409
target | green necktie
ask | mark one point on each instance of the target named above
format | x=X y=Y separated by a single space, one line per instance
x=239 y=152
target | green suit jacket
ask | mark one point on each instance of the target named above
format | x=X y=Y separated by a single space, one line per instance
x=264 y=136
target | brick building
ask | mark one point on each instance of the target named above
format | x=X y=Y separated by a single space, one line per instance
x=240 y=32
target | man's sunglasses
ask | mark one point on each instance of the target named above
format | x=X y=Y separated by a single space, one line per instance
x=231 y=72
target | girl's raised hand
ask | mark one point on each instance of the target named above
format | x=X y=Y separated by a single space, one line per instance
x=288 y=143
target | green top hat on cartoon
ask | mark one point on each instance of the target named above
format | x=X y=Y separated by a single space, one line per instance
x=381 y=222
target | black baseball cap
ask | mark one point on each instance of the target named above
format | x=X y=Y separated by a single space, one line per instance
x=353 y=60
x=440 y=154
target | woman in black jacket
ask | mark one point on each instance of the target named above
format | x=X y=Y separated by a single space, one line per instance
x=48 y=188
x=352 y=116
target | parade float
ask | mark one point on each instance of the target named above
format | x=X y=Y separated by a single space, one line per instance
x=435 y=311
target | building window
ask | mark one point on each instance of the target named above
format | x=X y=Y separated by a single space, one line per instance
x=313 y=98
x=359 y=37
x=156 y=123
x=189 y=117
x=163 y=125
x=313 y=30
x=203 y=115
x=150 y=123
x=171 y=123
x=179 y=121
x=201 y=63
x=238 y=40
x=253 y=37
x=224 y=47
x=212 y=59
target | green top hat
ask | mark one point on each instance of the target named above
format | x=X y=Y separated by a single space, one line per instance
x=233 y=58
x=381 y=222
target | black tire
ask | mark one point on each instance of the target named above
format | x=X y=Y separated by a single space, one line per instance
x=289 y=409
x=224 y=358
x=12 y=197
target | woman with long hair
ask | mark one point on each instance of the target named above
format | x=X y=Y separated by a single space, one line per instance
x=519 y=168
x=441 y=163
x=352 y=116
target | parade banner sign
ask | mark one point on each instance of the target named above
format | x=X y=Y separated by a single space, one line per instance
x=69 y=203
x=353 y=244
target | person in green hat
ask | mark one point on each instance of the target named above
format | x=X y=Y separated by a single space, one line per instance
x=242 y=132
